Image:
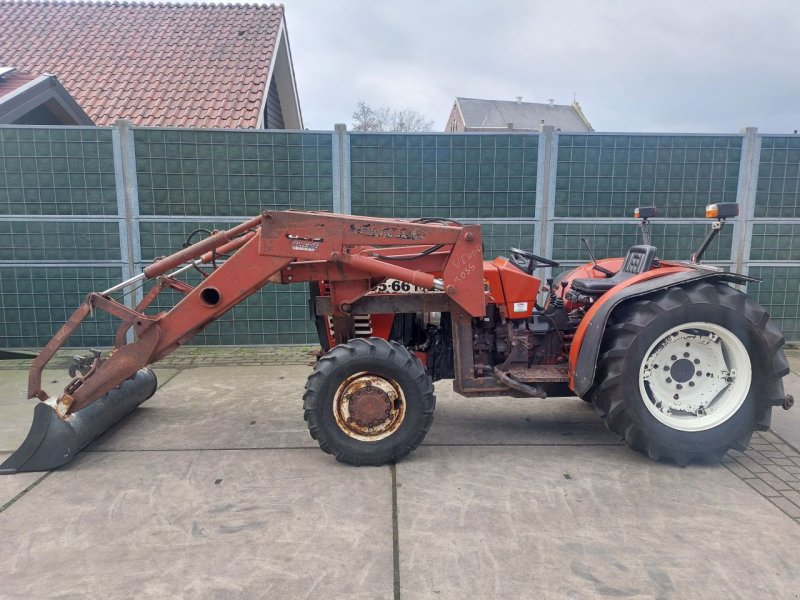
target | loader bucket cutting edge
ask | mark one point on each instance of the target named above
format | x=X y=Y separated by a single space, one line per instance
x=53 y=441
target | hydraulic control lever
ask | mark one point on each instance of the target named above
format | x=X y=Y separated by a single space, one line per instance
x=595 y=266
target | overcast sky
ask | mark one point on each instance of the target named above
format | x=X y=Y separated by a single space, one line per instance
x=634 y=65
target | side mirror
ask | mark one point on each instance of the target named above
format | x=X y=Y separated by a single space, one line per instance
x=645 y=212
x=722 y=210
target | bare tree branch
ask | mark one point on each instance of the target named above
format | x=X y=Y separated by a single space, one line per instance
x=384 y=118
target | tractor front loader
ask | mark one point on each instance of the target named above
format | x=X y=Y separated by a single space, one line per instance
x=676 y=361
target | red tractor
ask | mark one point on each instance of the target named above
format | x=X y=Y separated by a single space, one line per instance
x=676 y=361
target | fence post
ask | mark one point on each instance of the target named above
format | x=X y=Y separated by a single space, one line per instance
x=545 y=187
x=746 y=196
x=341 y=169
x=127 y=199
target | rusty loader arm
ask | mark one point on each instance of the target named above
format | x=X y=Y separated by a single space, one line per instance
x=351 y=254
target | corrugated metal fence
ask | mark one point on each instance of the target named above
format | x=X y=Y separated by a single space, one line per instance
x=82 y=208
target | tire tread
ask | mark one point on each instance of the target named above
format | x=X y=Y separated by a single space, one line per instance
x=377 y=349
x=633 y=317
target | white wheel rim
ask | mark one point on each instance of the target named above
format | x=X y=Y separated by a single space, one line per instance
x=679 y=397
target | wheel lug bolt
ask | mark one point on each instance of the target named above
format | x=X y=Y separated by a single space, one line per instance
x=699 y=373
x=666 y=368
x=673 y=357
x=679 y=386
x=691 y=384
x=697 y=361
x=676 y=396
x=685 y=355
x=669 y=379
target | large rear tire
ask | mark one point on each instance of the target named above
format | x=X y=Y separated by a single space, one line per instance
x=369 y=402
x=689 y=372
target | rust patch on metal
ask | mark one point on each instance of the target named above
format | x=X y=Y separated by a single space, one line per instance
x=369 y=407
x=63 y=405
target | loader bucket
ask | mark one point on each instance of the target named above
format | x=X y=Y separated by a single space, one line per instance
x=53 y=441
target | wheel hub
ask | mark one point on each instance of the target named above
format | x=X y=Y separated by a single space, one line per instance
x=682 y=370
x=695 y=376
x=369 y=407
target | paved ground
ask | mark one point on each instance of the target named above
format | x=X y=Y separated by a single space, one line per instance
x=213 y=489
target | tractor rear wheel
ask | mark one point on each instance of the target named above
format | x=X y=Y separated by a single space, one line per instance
x=369 y=402
x=690 y=372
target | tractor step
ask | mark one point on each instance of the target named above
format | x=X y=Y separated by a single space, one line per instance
x=53 y=441
x=541 y=374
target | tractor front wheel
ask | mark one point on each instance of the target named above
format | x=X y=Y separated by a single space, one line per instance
x=369 y=402
x=690 y=372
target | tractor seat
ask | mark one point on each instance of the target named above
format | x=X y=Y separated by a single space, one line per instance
x=638 y=260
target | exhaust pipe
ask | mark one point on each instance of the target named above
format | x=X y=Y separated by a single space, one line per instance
x=53 y=441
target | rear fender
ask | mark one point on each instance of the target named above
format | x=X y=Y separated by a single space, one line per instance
x=586 y=345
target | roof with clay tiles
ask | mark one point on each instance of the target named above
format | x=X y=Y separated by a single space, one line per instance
x=156 y=64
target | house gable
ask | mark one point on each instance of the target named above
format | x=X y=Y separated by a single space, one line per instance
x=281 y=103
x=27 y=99
x=455 y=122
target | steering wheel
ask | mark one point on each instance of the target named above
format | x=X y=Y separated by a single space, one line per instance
x=527 y=261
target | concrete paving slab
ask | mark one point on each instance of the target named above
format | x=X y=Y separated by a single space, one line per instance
x=16 y=410
x=502 y=420
x=793 y=355
x=585 y=523
x=218 y=408
x=786 y=423
x=11 y=485
x=244 y=524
